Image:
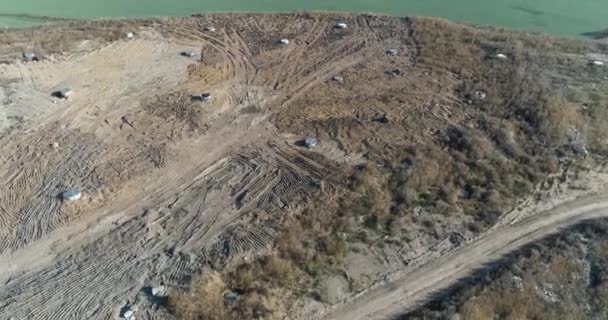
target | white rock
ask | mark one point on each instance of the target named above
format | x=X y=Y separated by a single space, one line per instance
x=284 y=41
x=129 y=35
x=392 y=52
x=598 y=63
x=65 y=93
x=72 y=195
x=129 y=315
x=55 y=145
x=210 y=29
x=29 y=56
x=341 y=25
x=501 y=56
x=158 y=291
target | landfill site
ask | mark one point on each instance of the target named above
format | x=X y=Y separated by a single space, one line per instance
x=137 y=155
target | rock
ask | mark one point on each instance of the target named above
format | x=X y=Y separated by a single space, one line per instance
x=158 y=291
x=310 y=142
x=394 y=72
x=341 y=25
x=55 y=145
x=128 y=314
x=480 y=95
x=71 y=195
x=230 y=297
x=63 y=93
x=501 y=56
x=392 y=52
x=597 y=63
x=188 y=53
x=284 y=41
x=210 y=29
x=129 y=35
x=204 y=97
x=29 y=56
x=338 y=79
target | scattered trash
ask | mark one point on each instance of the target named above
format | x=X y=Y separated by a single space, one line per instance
x=204 y=97
x=284 y=41
x=597 y=63
x=501 y=56
x=129 y=35
x=392 y=52
x=209 y=29
x=71 y=195
x=341 y=25
x=481 y=95
x=394 y=72
x=159 y=291
x=29 y=56
x=338 y=79
x=63 y=93
x=310 y=142
x=188 y=53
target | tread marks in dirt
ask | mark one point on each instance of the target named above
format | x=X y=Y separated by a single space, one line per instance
x=30 y=197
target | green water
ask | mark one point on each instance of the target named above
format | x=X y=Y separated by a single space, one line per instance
x=561 y=17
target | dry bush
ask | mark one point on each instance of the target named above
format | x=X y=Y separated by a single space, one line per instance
x=558 y=119
x=557 y=263
x=205 y=300
x=177 y=107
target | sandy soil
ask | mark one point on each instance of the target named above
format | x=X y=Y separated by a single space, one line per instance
x=170 y=185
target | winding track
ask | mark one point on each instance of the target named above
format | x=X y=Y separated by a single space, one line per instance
x=414 y=288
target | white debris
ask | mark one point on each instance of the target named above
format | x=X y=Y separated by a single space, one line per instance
x=63 y=93
x=159 y=291
x=341 y=25
x=310 y=142
x=71 y=195
x=284 y=41
x=210 y=29
x=392 y=52
x=129 y=35
x=29 y=56
x=598 y=63
x=129 y=314
x=205 y=96
x=55 y=145
x=480 y=95
x=338 y=79
x=501 y=56
x=188 y=53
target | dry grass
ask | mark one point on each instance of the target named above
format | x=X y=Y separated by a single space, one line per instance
x=204 y=301
x=63 y=37
x=473 y=167
x=562 y=277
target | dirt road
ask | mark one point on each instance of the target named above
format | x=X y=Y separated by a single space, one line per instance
x=409 y=291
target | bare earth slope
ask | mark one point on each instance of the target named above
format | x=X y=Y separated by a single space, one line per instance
x=424 y=143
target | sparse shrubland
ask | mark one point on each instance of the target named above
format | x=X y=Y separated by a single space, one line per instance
x=562 y=277
x=514 y=126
